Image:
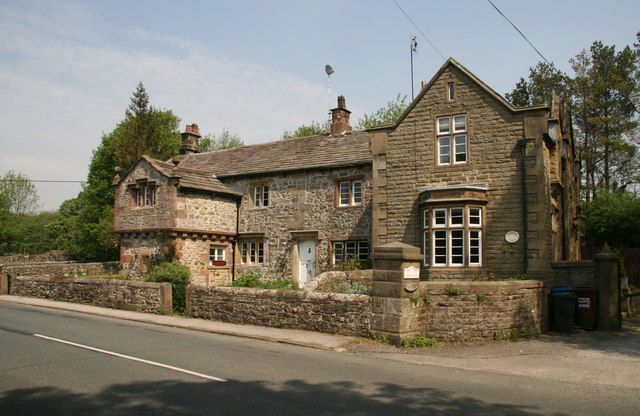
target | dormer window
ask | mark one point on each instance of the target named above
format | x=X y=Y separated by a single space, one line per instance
x=451 y=134
x=144 y=194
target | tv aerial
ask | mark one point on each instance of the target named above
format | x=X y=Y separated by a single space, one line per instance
x=329 y=70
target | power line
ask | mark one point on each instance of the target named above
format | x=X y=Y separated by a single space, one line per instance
x=40 y=180
x=518 y=30
x=418 y=29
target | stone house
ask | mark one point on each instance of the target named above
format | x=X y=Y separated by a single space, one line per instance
x=480 y=186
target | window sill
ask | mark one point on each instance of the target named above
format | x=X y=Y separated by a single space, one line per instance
x=348 y=206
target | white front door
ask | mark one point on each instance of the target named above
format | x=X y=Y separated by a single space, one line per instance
x=307 y=260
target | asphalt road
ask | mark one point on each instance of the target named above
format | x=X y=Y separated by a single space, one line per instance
x=212 y=374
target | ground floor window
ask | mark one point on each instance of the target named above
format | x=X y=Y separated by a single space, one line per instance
x=344 y=250
x=252 y=252
x=217 y=255
x=452 y=236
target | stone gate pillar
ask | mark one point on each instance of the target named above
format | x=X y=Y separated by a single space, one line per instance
x=396 y=272
x=609 y=312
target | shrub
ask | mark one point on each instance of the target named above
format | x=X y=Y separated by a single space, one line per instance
x=453 y=291
x=251 y=279
x=178 y=275
x=354 y=288
x=418 y=341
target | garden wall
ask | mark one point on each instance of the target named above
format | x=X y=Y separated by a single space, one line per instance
x=631 y=302
x=333 y=313
x=117 y=294
x=58 y=268
x=470 y=310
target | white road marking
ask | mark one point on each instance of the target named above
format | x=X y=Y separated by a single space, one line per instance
x=128 y=357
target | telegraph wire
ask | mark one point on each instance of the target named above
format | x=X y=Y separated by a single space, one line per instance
x=518 y=30
x=40 y=180
x=418 y=29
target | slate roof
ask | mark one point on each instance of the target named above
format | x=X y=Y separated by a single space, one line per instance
x=189 y=178
x=314 y=152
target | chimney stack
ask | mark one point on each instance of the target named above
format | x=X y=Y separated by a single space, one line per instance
x=190 y=138
x=340 y=118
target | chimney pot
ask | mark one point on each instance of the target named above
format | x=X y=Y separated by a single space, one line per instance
x=190 y=138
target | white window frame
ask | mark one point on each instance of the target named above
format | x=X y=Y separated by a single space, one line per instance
x=217 y=253
x=355 y=190
x=259 y=192
x=443 y=232
x=451 y=91
x=453 y=135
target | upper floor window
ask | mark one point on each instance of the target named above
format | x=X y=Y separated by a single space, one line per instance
x=144 y=194
x=252 y=252
x=451 y=91
x=452 y=139
x=261 y=196
x=217 y=255
x=350 y=193
x=452 y=236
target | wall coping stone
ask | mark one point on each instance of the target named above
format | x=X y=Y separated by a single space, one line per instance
x=484 y=285
x=572 y=264
x=284 y=294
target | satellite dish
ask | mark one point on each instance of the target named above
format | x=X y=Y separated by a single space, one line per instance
x=328 y=69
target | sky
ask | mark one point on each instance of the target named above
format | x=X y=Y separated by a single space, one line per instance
x=68 y=68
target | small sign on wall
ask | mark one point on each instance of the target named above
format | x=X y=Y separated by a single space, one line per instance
x=411 y=272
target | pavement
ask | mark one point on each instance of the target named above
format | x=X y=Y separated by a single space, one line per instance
x=590 y=358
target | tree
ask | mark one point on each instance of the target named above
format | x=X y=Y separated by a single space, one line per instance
x=18 y=193
x=315 y=128
x=612 y=218
x=544 y=79
x=384 y=116
x=225 y=140
x=605 y=91
x=88 y=218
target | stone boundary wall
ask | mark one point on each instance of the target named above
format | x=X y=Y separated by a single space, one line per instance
x=54 y=255
x=470 y=310
x=631 y=302
x=325 y=280
x=580 y=273
x=58 y=268
x=333 y=313
x=117 y=294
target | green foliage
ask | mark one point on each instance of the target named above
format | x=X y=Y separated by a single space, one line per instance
x=27 y=233
x=426 y=299
x=543 y=79
x=384 y=116
x=350 y=264
x=452 y=291
x=306 y=130
x=521 y=333
x=87 y=220
x=178 y=275
x=353 y=288
x=414 y=298
x=252 y=279
x=612 y=218
x=418 y=341
x=481 y=297
x=381 y=338
x=224 y=140
x=18 y=194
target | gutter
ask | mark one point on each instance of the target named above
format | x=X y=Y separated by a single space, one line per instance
x=523 y=182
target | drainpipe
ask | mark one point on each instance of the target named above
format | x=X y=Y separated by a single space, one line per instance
x=523 y=181
x=235 y=242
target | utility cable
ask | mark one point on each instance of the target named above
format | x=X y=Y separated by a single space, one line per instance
x=419 y=30
x=518 y=30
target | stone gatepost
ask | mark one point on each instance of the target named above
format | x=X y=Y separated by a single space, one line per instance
x=606 y=271
x=396 y=275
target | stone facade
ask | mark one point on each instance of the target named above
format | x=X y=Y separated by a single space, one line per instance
x=117 y=294
x=333 y=313
x=459 y=311
x=410 y=179
x=303 y=205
